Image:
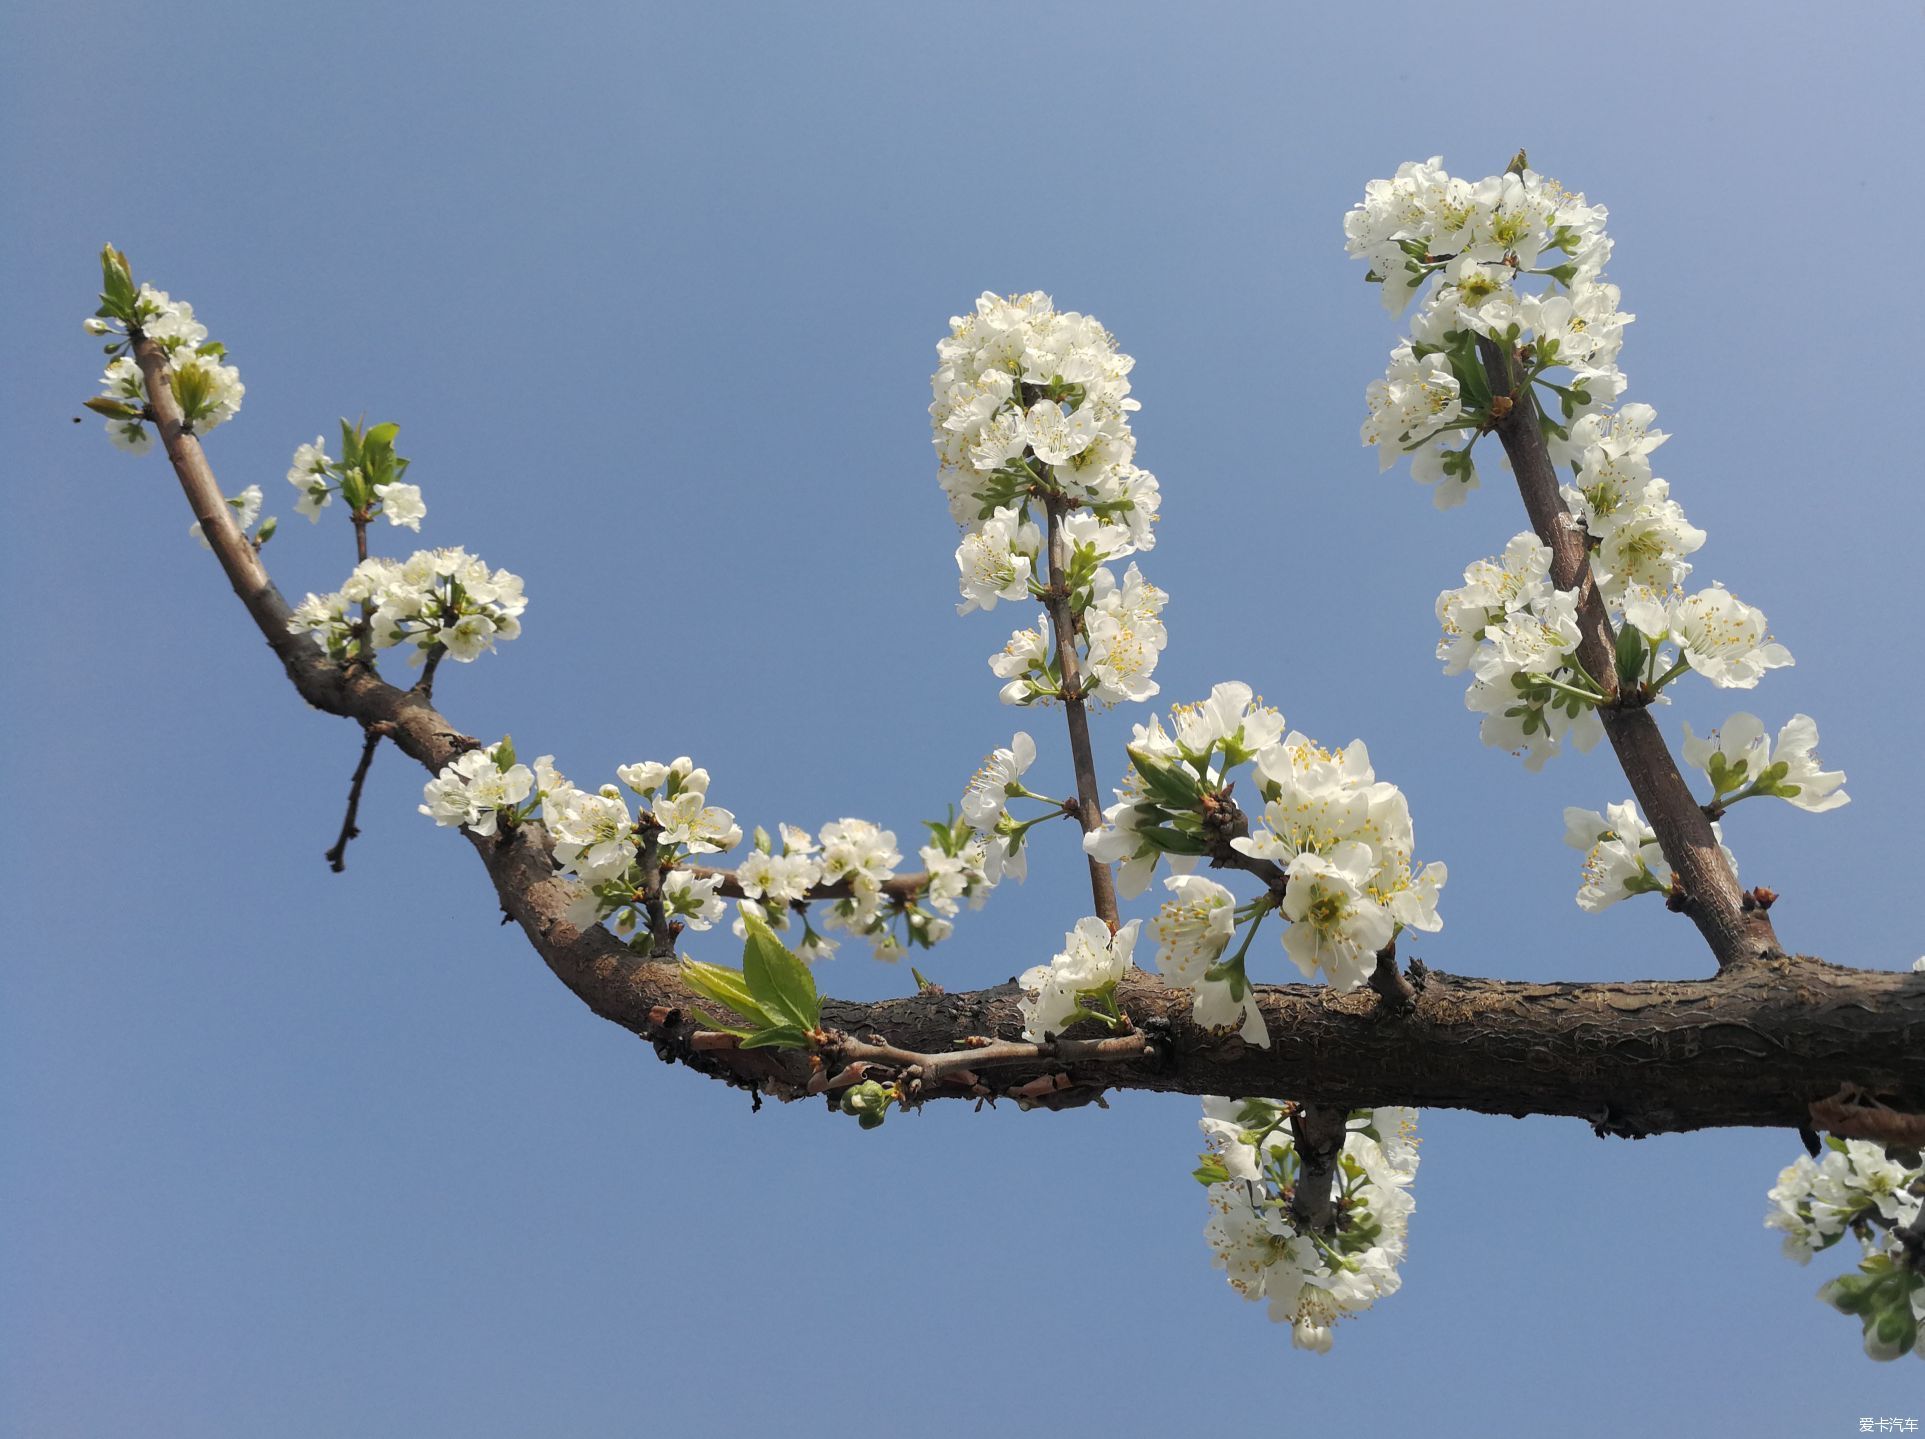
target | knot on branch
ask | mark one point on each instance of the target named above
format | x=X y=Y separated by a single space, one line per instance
x=1398 y=994
x=1857 y=1113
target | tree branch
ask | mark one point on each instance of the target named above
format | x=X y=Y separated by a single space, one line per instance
x=1318 y=1132
x=1089 y=801
x=1710 y=894
x=1757 y=1045
x=337 y=857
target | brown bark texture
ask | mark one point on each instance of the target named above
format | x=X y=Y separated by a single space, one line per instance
x=1708 y=890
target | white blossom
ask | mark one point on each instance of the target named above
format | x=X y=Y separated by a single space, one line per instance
x=1723 y=638
x=1091 y=960
x=687 y=820
x=309 y=474
x=1740 y=759
x=1336 y=925
x=996 y=561
x=401 y=504
x=474 y=788
x=1000 y=777
x=692 y=900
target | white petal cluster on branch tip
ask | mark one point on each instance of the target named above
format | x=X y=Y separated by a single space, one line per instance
x=1031 y=402
x=1517 y=260
x=1308 y=1280
x=444 y=596
x=208 y=389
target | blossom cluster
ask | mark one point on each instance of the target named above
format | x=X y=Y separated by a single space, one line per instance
x=1476 y=244
x=1340 y=839
x=1031 y=415
x=1080 y=980
x=207 y=388
x=856 y=858
x=601 y=844
x=854 y=862
x=1514 y=264
x=369 y=477
x=631 y=845
x=1516 y=634
x=997 y=834
x=1308 y=1279
x=1741 y=761
x=444 y=597
x=1621 y=854
x=1514 y=309
x=1863 y=1189
x=477 y=789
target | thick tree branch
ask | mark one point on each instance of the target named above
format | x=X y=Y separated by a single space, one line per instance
x=1760 y=1044
x=1709 y=890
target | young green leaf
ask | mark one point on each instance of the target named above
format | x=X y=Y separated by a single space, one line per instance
x=1630 y=655
x=1174 y=841
x=726 y=986
x=782 y=1036
x=778 y=979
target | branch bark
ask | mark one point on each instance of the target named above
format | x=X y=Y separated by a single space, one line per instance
x=1710 y=894
x=1757 y=1045
x=1089 y=802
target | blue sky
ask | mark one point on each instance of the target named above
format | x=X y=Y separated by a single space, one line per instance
x=654 y=292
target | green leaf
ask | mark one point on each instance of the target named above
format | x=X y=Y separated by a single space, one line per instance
x=111 y=408
x=726 y=986
x=1174 y=841
x=783 y=1036
x=117 y=291
x=710 y=1020
x=191 y=392
x=778 y=979
x=1630 y=655
x=267 y=529
x=505 y=754
x=383 y=435
x=1167 y=784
